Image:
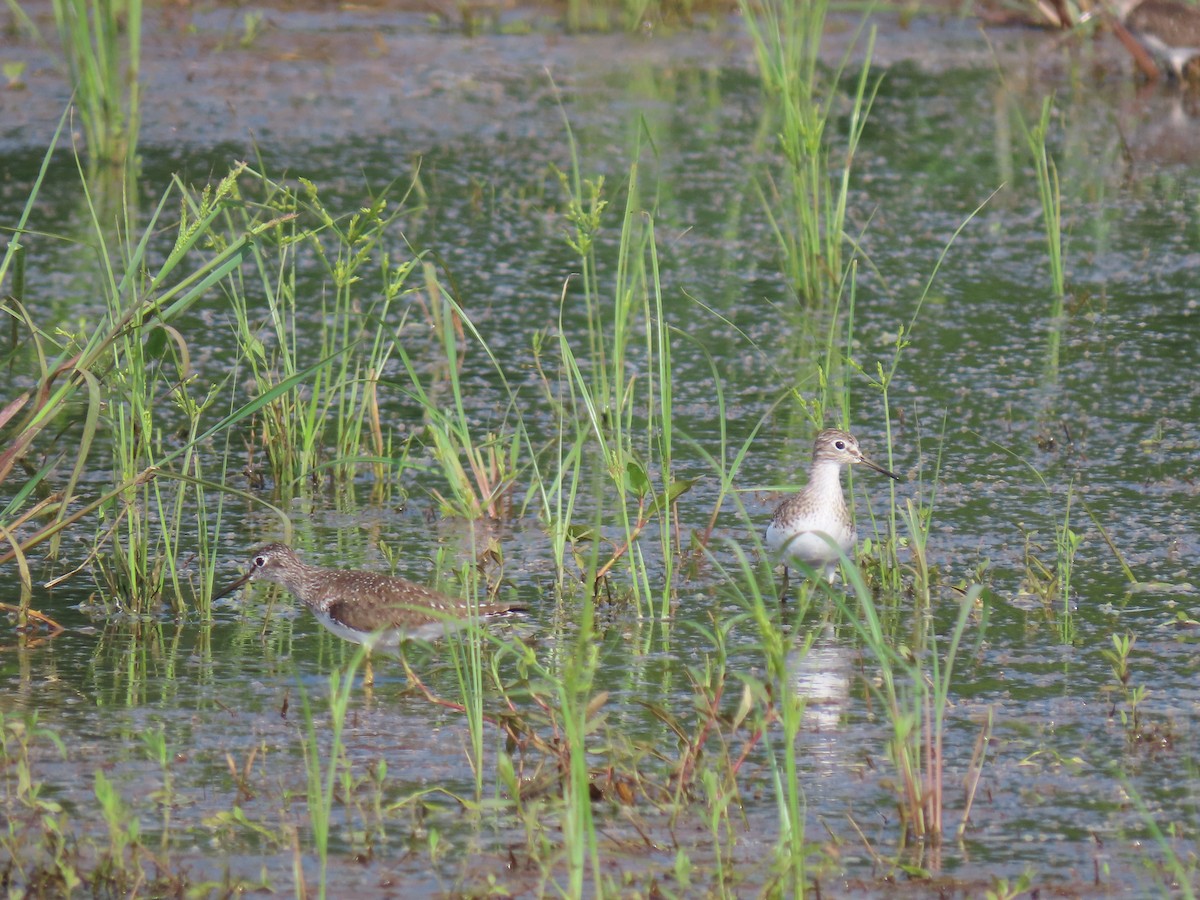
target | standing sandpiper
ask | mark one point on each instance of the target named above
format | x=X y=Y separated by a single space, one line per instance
x=801 y=523
x=365 y=607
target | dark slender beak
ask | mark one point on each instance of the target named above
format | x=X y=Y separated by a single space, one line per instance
x=870 y=464
x=233 y=587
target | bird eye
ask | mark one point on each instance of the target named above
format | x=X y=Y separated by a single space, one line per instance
x=841 y=445
x=260 y=562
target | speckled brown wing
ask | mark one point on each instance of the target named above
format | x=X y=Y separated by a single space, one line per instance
x=366 y=616
x=370 y=603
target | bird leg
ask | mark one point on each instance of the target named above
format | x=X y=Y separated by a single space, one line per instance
x=429 y=695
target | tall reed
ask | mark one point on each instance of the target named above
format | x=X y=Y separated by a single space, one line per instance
x=771 y=708
x=101 y=43
x=480 y=471
x=322 y=777
x=622 y=382
x=574 y=687
x=881 y=380
x=1050 y=196
x=332 y=426
x=913 y=685
x=466 y=651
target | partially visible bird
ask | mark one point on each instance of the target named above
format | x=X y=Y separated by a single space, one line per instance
x=365 y=607
x=1168 y=29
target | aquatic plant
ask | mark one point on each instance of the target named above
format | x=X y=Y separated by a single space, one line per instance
x=121 y=864
x=329 y=425
x=628 y=420
x=598 y=729
x=322 y=777
x=914 y=687
x=120 y=364
x=36 y=838
x=770 y=712
x=1178 y=874
x=479 y=472
x=807 y=203
x=1050 y=196
x=102 y=49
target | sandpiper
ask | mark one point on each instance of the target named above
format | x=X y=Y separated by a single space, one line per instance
x=798 y=529
x=365 y=607
x=1168 y=29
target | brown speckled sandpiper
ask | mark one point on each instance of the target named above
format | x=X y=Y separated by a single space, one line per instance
x=797 y=528
x=365 y=607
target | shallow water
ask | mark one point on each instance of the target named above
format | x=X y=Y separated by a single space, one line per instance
x=1015 y=410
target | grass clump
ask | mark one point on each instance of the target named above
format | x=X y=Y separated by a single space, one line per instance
x=807 y=202
x=327 y=425
x=101 y=53
x=104 y=385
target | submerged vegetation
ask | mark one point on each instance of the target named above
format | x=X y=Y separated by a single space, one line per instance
x=259 y=357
